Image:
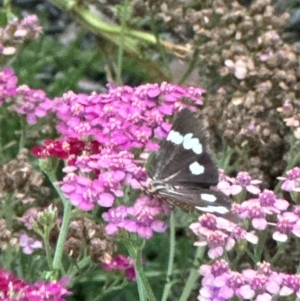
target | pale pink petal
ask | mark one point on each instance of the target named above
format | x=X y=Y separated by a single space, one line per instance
x=286 y=291
x=106 y=199
x=253 y=189
x=252 y=238
x=247 y=292
x=259 y=223
x=280 y=236
x=236 y=189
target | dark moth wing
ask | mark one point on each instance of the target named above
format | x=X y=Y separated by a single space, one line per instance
x=174 y=159
x=205 y=200
x=184 y=170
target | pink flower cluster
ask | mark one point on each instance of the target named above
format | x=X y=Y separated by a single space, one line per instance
x=121 y=263
x=219 y=283
x=292 y=180
x=288 y=223
x=140 y=218
x=233 y=186
x=219 y=234
x=8 y=84
x=99 y=136
x=257 y=209
x=15 y=289
x=32 y=103
x=29 y=244
x=121 y=120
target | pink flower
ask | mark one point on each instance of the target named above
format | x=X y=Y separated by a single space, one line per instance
x=235 y=185
x=287 y=223
x=15 y=289
x=292 y=180
x=8 y=84
x=32 y=103
x=117 y=122
x=122 y=263
x=219 y=234
x=141 y=218
x=29 y=244
x=257 y=209
x=29 y=217
x=220 y=283
x=244 y=181
x=116 y=218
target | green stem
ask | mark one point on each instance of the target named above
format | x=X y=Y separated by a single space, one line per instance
x=191 y=67
x=47 y=166
x=122 y=42
x=193 y=276
x=7 y=4
x=169 y=284
x=23 y=133
x=279 y=252
x=62 y=233
x=260 y=247
x=135 y=252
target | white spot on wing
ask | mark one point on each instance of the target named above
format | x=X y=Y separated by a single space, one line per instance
x=208 y=197
x=192 y=143
x=175 y=137
x=196 y=168
x=214 y=209
x=187 y=136
x=197 y=149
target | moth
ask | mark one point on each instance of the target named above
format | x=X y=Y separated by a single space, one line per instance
x=184 y=170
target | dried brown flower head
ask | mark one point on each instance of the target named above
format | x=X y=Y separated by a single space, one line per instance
x=86 y=233
x=19 y=177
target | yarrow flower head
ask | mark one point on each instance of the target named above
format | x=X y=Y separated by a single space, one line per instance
x=65 y=149
x=15 y=289
x=235 y=185
x=141 y=218
x=32 y=103
x=220 y=283
x=219 y=234
x=29 y=244
x=292 y=180
x=8 y=84
x=287 y=223
x=257 y=209
x=99 y=136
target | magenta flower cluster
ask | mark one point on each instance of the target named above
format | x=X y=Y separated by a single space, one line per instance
x=121 y=263
x=221 y=283
x=15 y=289
x=99 y=136
x=121 y=120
